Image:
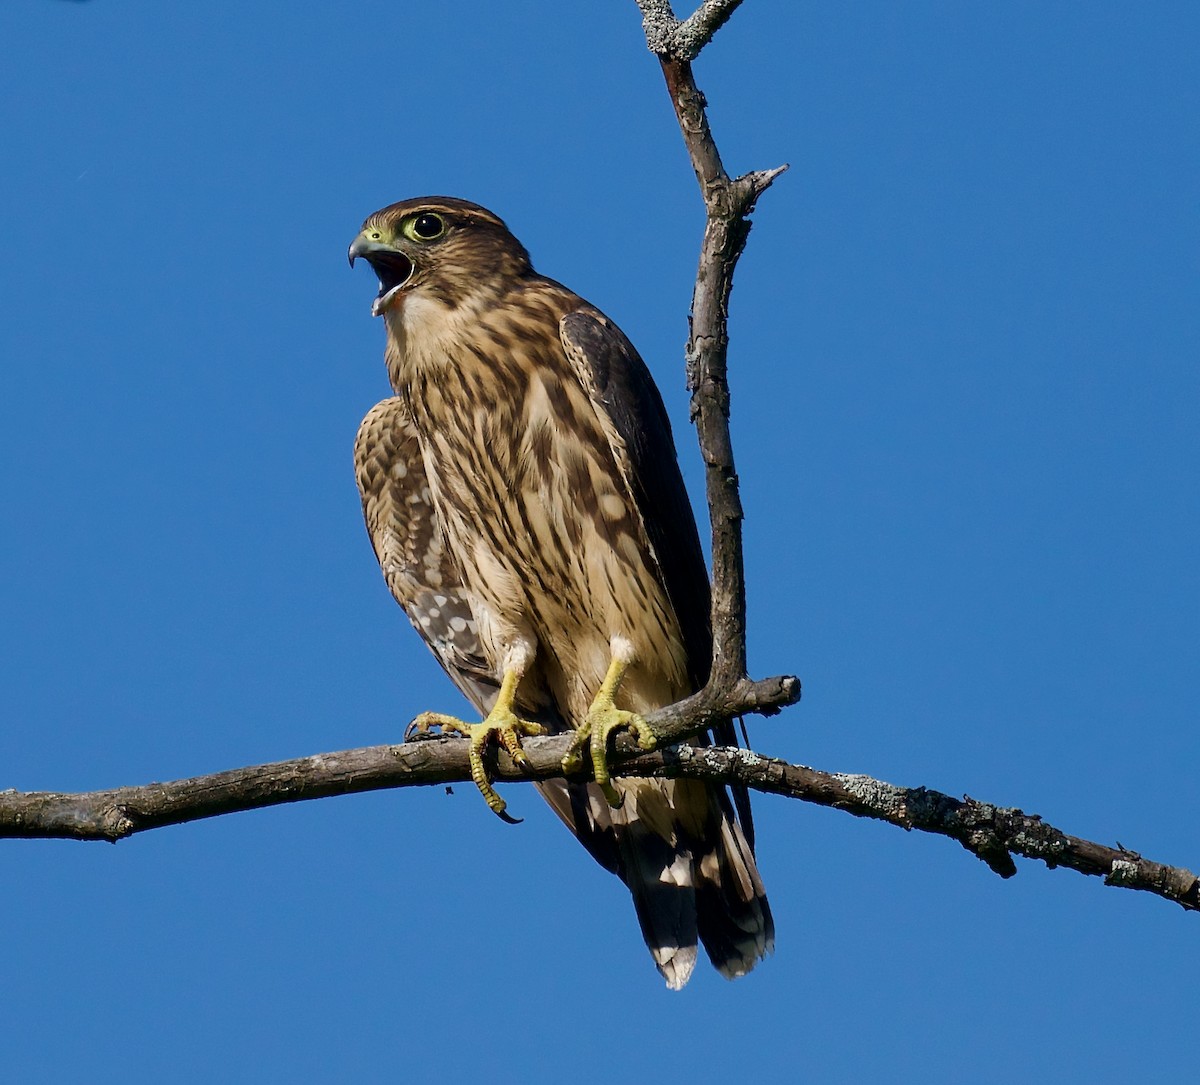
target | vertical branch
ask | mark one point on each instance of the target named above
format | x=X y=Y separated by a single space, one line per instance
x=728 y=203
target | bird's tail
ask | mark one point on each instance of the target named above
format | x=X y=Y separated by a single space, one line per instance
x=679 y=848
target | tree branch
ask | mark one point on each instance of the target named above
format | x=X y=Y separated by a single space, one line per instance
x=727 y=204
x=115 y=813
x=994 y=834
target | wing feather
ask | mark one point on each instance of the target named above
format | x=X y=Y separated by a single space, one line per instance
x=408 y=543
x=631 y=409
x=734 y=918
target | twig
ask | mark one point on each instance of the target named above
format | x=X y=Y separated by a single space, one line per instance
x=727 y=204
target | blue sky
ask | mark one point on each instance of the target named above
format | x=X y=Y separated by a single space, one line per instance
x=965 y=380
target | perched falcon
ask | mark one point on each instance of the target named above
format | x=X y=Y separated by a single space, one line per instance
x=523 y=497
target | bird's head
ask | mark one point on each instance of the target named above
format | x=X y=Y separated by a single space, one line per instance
x=438 y=247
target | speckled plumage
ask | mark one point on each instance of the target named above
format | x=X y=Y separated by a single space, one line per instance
x=523 y=498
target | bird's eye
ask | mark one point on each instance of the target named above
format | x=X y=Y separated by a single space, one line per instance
x=425 y=227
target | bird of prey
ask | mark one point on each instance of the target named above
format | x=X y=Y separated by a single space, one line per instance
x=523 y=497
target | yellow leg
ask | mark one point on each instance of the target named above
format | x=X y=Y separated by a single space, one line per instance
x=602 y=719
x=501 y=722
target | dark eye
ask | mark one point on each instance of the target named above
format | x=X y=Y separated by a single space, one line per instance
x=427 y=227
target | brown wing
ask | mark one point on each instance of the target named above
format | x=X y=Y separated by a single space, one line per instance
x=411 y=551
x=629 y=403
x=709 y=882
x=419 y=569
x=630 y=407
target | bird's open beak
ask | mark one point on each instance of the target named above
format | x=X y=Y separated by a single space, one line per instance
x=391 y=265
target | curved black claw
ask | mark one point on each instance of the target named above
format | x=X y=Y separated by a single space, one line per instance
x=420 y=727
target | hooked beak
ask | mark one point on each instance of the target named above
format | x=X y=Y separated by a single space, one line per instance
x=393 y=268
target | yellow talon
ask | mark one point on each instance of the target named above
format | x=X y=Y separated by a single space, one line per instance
x=501 y=722
x=602 y=719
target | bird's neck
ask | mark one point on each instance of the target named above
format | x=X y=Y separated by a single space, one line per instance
x=425 y=332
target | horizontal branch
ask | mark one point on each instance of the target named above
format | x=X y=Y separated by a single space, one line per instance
x=992 y=833
x=122 y=811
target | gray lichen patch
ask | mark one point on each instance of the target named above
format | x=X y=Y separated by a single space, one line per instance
x=874 y=793
x=1123 y=872
x=749 y=758
x=1039 y=843
x=710 y=758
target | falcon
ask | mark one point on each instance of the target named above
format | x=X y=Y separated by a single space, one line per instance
x=523 y=498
